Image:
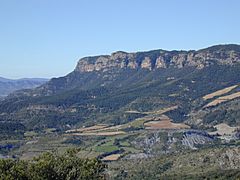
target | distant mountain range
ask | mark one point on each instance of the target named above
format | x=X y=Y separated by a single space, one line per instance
x=8 y=86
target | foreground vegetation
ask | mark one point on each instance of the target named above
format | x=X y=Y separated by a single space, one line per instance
x=52 y=166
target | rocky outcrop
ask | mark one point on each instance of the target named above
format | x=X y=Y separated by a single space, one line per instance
x=192 y=138
x=221 y=54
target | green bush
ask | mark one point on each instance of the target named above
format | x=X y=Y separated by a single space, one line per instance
x=53 y=167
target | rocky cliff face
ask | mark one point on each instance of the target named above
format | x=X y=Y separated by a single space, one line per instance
x=221 y=54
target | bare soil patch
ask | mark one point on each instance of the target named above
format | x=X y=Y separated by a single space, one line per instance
x=220 y=92
x=165 y=124
x=113 y=157
x=223 y=99
x=224 y=129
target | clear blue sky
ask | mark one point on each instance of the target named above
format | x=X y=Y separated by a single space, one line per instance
x=45 y=38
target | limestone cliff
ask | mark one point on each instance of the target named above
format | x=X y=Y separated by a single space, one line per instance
x=221 y=54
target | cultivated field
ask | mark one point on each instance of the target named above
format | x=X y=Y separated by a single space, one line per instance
x=165 y=124
x=220 y=92
x=153 y=120
x=223 y=99
x=91 y=128
x=96 y=130
x=160 y=111
x=113 y=133
x=113 y=157
x=152 y=115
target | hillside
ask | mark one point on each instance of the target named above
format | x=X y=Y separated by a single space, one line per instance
x=217 y=163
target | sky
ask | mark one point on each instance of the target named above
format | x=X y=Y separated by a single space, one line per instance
x=46 y=38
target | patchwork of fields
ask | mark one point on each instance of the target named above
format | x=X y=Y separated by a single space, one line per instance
x=153 y=132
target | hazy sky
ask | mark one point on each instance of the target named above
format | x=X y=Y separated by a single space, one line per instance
x=45 y=38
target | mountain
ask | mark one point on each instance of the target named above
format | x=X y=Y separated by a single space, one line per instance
x=157 y=114
x=107 y=70
x=8 y=86
x=103 y=89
